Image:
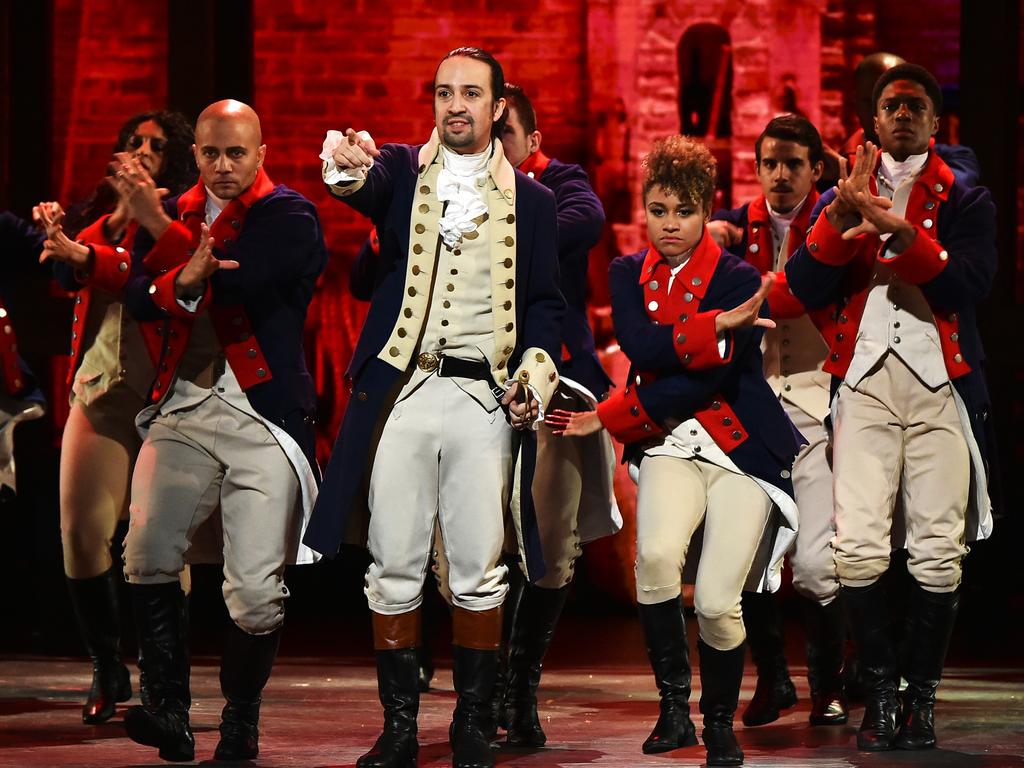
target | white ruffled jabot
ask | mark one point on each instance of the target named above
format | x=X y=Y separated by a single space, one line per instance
x=457 y=186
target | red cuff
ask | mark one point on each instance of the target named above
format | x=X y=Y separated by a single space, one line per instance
x=173 y=249
x=825 y=243
x=781 y=301
x=625 y=418
x=920 y=262
x=161 y=291
x=696 y=342
x=111 y=267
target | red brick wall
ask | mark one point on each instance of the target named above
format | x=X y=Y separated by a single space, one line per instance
x=110 y=62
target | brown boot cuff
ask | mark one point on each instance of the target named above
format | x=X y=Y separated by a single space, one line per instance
x=480 y=630
x=392 y=632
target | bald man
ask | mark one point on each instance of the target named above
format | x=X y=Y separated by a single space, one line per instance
x=229 y=267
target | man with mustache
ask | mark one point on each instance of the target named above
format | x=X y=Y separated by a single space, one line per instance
x=895 y=263
x=463 y=328
x=789 y=157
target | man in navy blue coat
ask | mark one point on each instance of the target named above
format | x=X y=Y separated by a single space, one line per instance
x=899 y=257
x=229 y=267
x=572 y=484
x=464 y=327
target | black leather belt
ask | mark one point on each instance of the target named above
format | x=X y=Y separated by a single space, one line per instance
x=448 y=367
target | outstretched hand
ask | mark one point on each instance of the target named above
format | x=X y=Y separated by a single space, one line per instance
x=843 y=212
x=191 y=281
x=138 y=194
x=747 y=313
x=356 y=152
x=59 y=246
x=573 y=423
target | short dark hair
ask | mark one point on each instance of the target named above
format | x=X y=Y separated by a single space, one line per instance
x=797 y=129
x=915 y=73
x=683 y=167
x=517 y=99
x=497 y=76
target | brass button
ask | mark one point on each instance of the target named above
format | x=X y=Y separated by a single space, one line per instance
x=450 y=287
x=654 y=285
x=652 y=306
x=511 y=218
x=394 y=352
x=402 y=333
x=424 y=208
x=446 y=304
x=696 y=281
x=407 y=312
x=509 y=327
x=939 y=188
x=417 y=249
x=457 y=252
x=754 y=248
x=412 y=291
x=420 y=229
x=415 y=269
x=510 y=241
x=455 y=271
x=688 y=296
x=507 y=350
x=736 y=434
x=954 y=337
x=540 y=357
x=424 y=190
x=444 y=323
x=362 y=396
x=508 y=263
x=958 y=358
x=509 y=283
x=507 y=305
x=122 y=267
x=784 y=474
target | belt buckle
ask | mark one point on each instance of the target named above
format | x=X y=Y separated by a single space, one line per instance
x=428 y=362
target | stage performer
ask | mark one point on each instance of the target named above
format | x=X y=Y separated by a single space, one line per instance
x=899 y=261
x=711 y=444
x=113 y=360
x=788 y=156
x=572 y=484
x=229 y=269
x=464 y=324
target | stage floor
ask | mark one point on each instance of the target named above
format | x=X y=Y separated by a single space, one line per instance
x=325 y=713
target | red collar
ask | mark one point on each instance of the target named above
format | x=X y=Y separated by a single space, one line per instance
x=193 y=202
x=534 y=165
x=935 y=176
x=695 y=274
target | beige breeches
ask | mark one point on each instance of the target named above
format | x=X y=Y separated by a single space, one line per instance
x=674 y=496
x=893 y=436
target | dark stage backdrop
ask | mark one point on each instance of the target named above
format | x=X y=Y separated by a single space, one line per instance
x=606 y=78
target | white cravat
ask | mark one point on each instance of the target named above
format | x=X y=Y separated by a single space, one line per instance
x=894 y=173
x=781 y=221
x=457 y=186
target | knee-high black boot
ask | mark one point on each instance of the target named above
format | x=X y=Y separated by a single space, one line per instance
x=499 y=700
x=869 y=619
x=162 y=623
x=396 y=639
x=775 y=690
x=532 y=630
x=721 y=674
x=825 y=626
x=95 y=603
x=476 y=637
x=929 y=627
x=669 y=652
x=398 y=688
x=245 y=667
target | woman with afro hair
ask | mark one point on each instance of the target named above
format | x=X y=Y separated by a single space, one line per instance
x=708 y=443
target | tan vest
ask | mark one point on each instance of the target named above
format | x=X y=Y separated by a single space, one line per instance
x=117 y=353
